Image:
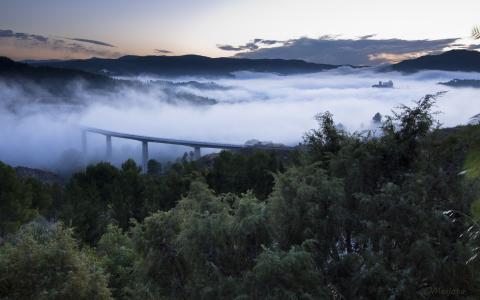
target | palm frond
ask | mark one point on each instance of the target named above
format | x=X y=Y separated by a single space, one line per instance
x=476 y=33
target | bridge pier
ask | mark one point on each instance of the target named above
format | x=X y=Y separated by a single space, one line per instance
x=196 y=145
x=84 y=142
x=196 y=153
x=109 y=147
x=144 y=156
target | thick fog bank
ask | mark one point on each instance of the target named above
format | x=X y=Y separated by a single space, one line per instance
x=251 y=106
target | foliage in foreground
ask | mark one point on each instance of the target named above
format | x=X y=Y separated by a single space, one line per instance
x=362 y=216
x=44 y=262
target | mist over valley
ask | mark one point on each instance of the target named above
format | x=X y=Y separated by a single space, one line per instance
x=42 y=113
x=274 y=149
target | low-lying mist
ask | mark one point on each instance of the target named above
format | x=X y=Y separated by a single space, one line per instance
x=267 y=107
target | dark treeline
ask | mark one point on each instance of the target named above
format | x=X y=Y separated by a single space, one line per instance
x=378 y=215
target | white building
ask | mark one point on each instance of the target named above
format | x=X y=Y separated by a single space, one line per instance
x=386 y=84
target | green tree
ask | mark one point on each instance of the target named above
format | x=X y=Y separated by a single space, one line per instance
x=127 y=200
x=161 y=269
x=44 y=262
x=88 y=198
x=117 y=256
x=154 y=167
x=285 y=275
x=307 y=204
x=239 y=172
x=41 y=195
x=164 y=192
x=320 y=144
x=16 y=207
x=201 y=248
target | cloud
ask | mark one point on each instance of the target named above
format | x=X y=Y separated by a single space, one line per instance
x=366 y=37
x=21 y=46
x=6 y=33
x=334 y=50
x=269 y=42
x=22 y=36
x=250 y=46
x=162 y=51
x=92 y=42
x=229 y=48
x=252 y=106
x=39 y=38
x=395 y=57
x=473 y=47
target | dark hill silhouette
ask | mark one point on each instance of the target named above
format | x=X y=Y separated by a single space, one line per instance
x=454 y=60
x=462 y=83
x=188 y=65
x=6 y=62
x=49 y=77
x=44 y=84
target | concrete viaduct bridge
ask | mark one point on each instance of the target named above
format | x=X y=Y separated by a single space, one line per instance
x=196 y=145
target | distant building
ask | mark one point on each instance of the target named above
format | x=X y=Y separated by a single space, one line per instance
x=386 y=84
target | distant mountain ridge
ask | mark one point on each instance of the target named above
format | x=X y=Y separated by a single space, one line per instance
x=186 y=65
x=454 y=60
x=56 y=81
x=196 y=65
x=11 y=70
x=56 y=85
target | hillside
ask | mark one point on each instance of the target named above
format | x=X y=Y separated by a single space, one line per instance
x=190 y=65
x=59 y=85
x=462 y=83
x=455 y=60
x=43 y=176
x=10 y=69
x=54 y=80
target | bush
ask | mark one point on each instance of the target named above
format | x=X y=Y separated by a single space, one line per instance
x=44 y=262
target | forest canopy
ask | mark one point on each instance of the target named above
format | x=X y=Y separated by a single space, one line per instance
x=385 y=214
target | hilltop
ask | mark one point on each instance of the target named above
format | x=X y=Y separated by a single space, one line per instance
x=49 y=77
x=187 y=65
x=454 y=60
x=48 y=84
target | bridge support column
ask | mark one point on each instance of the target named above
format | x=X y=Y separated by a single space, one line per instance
x=144 y=156
x=84 y=142
x=196 y=153
x=109 y=148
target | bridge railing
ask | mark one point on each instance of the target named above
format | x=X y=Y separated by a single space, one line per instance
x=196 y=145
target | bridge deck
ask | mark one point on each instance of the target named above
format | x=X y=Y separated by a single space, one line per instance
x=188 y=143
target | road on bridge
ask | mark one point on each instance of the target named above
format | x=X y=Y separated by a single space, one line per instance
x=196 y=145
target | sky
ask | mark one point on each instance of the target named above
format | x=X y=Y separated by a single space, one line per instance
x=62 y=29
